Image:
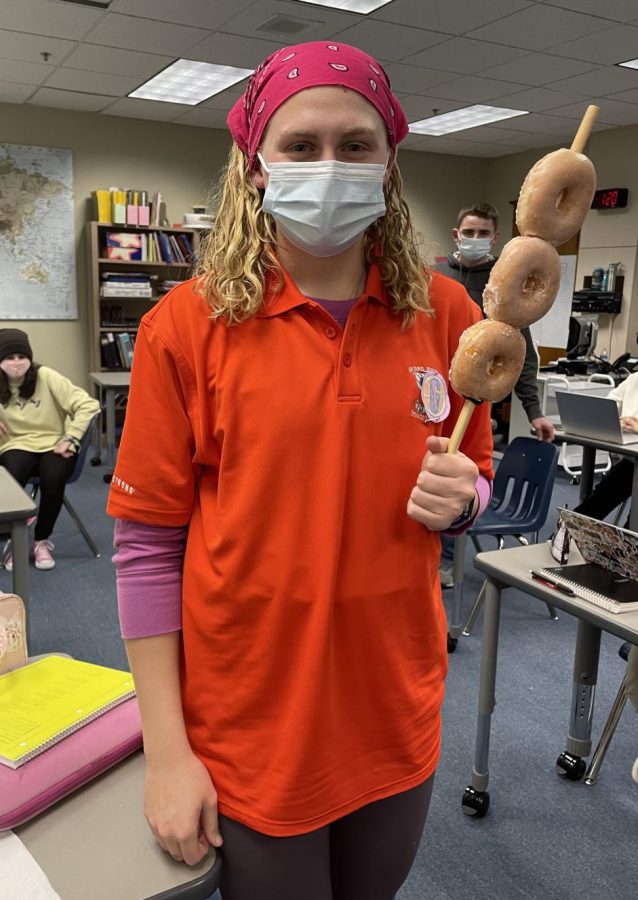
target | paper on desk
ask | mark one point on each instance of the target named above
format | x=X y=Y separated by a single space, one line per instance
x=22 y=877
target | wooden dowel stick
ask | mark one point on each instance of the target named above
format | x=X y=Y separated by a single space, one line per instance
x=584 y=129
x=461 y=424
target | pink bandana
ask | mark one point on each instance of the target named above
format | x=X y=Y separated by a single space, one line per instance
x=292 y=69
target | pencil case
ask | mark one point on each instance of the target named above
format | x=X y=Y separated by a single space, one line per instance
x=30 y=789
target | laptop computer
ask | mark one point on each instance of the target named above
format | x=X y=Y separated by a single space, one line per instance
x=609 y=576
x=592 y=417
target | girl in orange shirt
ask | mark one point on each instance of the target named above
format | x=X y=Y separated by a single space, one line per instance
x=277 y=519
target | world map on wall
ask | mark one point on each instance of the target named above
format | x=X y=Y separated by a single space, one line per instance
x=37 y=233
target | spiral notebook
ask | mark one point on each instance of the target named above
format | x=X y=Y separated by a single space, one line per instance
x=43 y=702
x=609 y=576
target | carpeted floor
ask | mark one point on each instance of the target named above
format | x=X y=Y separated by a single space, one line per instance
x=543 y=839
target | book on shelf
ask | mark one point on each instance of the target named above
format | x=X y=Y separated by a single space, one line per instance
x=109 y=355
x=125 y=245
x=103 y=206
x=45 y=701
x=125 y=342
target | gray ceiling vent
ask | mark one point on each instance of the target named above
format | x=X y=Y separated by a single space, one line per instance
x=286 y=25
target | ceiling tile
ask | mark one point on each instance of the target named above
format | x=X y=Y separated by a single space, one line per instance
x=538 y=69
x=442 y=15
x=612 y=112
x=607 y=80
x=15 y=45
x=489 y=150
x=616 y=10
x=14 y=93
x=204 y=118
x=415 y=79
x=133 y=108
x=201 y=13
x=231 y=50
x=464 y=56
x=323 y=22
x=225 y=100
x=538 y=27
x=132 y=33
x=387 y=41
x=24 y=72
x=627 y=96
x=417 y=106
x=117 y=62
x=96 y=82
x=47 y=18
x=539 y=100
x=70 y=100
x=477 y=90
x=560 y=125
x=620 y=43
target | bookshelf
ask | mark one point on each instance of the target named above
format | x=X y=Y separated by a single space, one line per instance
x=120 y=314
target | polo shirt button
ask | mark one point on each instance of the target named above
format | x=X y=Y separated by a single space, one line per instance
x=331 y=332
x=347 y=360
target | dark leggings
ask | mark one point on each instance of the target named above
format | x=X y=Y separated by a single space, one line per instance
x=366 y=855
x=612 y=490
x=53 y=470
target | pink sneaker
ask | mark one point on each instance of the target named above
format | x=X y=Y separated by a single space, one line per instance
x=7 y=557
x=41 y=552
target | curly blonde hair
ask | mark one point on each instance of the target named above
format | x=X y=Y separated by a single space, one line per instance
x=238 y=257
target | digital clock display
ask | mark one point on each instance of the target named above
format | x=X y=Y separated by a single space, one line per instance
x=610 y=198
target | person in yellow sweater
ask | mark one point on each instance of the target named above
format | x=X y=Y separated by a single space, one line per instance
x=43 y=416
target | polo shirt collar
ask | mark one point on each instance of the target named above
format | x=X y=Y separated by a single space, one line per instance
x=290 y=296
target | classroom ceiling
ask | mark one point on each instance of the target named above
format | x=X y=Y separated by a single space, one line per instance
x=551 y=58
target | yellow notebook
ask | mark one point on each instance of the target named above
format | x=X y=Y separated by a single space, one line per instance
x=43 y=702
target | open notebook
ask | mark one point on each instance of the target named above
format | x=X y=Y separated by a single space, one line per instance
x=609 y=576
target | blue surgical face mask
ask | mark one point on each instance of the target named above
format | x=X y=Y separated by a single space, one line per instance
x=323 y=207
x=473 y=249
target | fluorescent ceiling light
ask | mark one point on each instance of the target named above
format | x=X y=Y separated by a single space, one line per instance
x=460 y=119
x=357 y=6
x=188 y=81
x=630 y=64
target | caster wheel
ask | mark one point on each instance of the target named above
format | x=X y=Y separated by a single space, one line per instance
x=570 y=767
x=107 y=478
x=451 y=644
x=96 y=461
x=475 y=803
x=575 y=479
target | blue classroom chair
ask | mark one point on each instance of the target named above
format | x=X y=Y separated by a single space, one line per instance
x=520 y=501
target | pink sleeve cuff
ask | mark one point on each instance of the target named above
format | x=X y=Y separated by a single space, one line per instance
x=149 y=578
x=484 y=493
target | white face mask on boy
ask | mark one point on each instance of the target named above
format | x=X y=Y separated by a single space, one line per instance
x=473 y=249
x=323 y=207
x=15 y=369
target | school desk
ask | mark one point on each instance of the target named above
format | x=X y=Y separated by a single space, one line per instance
x=96 y=844
x=15 y=508
x=511 y=568
x=106 y=386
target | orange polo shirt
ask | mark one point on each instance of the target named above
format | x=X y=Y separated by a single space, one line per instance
x=314 y=637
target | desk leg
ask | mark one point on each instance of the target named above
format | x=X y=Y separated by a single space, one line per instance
x=20 y=550
x=96 y=440
x=476 y=799
x=587 y=472
x=456 y=623
x=570 y=763
x=633 y=512
x=110 y=425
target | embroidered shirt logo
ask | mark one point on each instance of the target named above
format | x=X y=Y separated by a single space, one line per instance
x=433 y=402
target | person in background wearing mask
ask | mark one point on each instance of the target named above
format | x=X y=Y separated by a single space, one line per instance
x=278 y=538
x=475 y=234
x=42 y=419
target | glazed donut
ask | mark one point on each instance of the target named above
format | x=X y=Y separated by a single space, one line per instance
x=556 y=196
x=488 y=361
x=523 y=283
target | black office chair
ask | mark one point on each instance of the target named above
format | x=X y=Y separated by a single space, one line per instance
x=77 y=471
x=520 y=501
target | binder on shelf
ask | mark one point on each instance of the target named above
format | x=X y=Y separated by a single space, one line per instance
x=131 y=214
x=43 y=702
x=143 y=216
x=126 y=349
x=110 y=356
x=103 y=206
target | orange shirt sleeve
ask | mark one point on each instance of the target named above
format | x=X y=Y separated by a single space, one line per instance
x=155 y=475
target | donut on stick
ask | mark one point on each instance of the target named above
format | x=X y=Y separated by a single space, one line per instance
x=490 y=348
